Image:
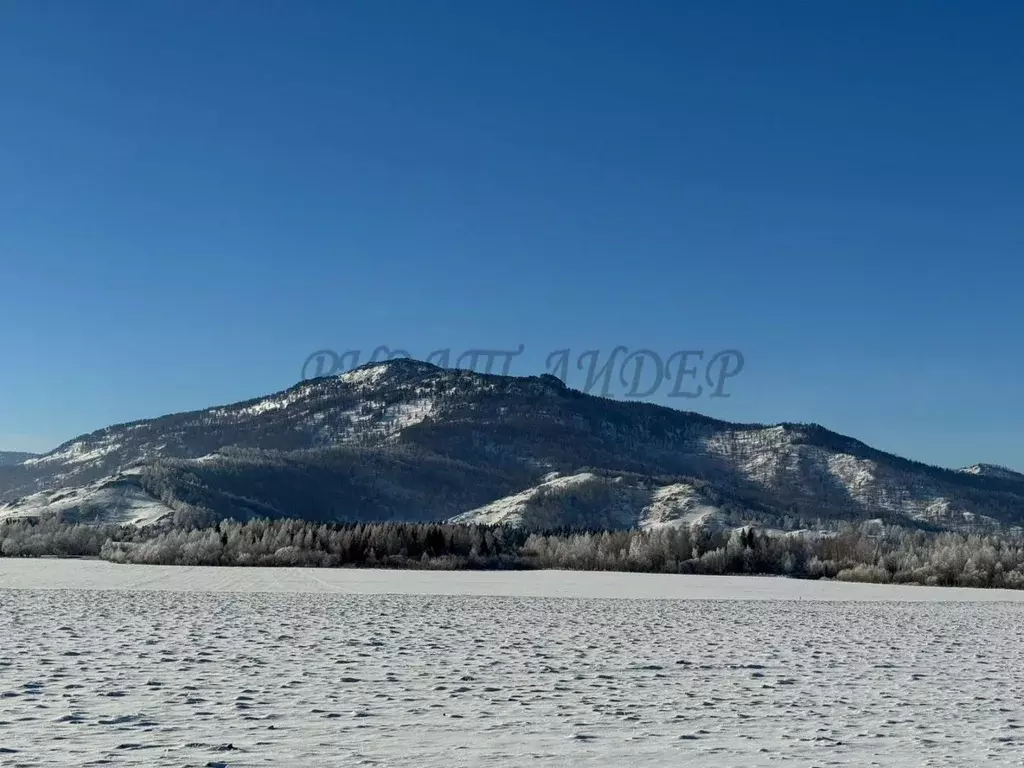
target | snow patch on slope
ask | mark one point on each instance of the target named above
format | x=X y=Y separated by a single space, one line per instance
x=514 y=510
x=676 y=505
x=263 y=406
x=375 y=419
x=992 y=470
x=78 y=452
x=366 y=376
x=117 y=499
x=613 y=502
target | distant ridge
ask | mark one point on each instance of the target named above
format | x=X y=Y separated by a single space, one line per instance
x=14 y=457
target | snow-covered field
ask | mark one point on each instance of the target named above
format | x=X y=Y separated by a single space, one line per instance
x=149 y=666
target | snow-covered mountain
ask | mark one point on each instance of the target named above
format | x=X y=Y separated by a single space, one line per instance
x=406 y=440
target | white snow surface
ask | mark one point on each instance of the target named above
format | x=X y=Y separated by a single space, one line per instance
x=180 y=666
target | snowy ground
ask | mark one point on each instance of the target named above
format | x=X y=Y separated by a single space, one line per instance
x=146 y=666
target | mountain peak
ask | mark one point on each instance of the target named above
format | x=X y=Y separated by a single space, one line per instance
x=371 y=373
x=992 y=470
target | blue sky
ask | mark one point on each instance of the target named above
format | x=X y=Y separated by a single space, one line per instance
x=195 y=196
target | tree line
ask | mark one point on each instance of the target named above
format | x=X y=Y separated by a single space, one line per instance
x=867 y=552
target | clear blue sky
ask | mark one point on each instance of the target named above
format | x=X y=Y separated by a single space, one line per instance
x=195 y=196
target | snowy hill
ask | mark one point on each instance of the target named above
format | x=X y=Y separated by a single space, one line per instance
x=117 y=499
x=589 y=500
x=406 y=440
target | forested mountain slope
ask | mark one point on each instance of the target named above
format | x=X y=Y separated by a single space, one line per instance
x=405 y=440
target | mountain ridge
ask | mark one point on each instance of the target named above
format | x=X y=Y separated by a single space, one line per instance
x=14 y=457
x=410 y=440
